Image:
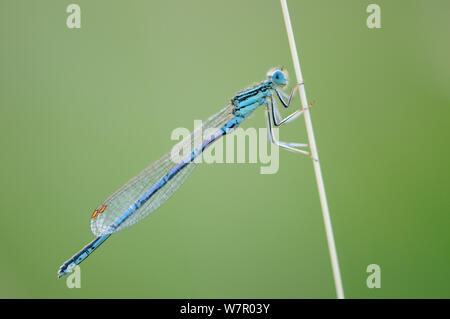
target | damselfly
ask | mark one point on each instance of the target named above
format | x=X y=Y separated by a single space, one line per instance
x=154 y=185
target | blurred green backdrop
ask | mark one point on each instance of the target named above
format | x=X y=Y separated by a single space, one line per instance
x=83 y=110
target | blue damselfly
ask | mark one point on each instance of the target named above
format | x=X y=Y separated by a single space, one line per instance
x=154 y=185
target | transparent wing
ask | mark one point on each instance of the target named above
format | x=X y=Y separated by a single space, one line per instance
x=119 y=202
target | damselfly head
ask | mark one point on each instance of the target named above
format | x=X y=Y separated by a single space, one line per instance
x=278 y=76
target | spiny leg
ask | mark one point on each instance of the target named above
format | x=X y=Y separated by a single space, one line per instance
x=276 y=117
x=289 y=146
x=291 y=95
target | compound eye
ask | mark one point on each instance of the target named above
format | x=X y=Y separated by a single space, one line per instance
x=277 y=75
x=279 y=78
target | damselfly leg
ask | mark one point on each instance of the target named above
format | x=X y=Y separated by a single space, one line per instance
x=293 y=147
x=276 y=117
x=289 y=97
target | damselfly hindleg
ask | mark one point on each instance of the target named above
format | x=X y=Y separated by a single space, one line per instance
x=293 y=147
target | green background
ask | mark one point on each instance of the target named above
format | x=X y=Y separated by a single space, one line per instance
x=84 y=110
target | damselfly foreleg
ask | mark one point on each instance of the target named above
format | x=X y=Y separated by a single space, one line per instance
x=277 y=120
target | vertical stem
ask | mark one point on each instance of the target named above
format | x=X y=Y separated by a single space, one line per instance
x=315 y=156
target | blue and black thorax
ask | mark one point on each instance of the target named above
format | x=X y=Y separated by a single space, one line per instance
x=247 y=101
